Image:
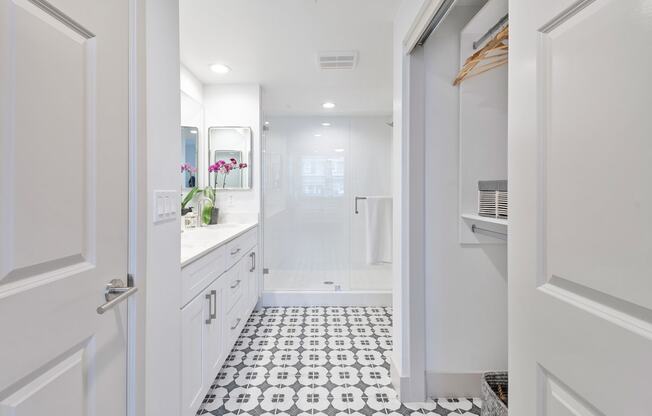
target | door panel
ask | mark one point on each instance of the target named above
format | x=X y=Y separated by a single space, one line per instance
x=44 y=168
x=560 y=401
x=580 y=230
x=60 y=390
x=597 y=149
x=63 y=216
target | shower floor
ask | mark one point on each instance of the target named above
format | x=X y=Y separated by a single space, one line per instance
x=326 y=280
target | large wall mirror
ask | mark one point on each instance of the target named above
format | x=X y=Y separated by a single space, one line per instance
x=190 y=156
x=229 y=157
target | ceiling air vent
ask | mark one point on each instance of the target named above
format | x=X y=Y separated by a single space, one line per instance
x=337 y=60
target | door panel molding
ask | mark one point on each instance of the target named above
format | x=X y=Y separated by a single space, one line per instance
x=58 y=15
x=627 y=315
x=560 y=400
x=65 y=377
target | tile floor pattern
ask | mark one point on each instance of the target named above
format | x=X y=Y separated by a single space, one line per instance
x=317 y=361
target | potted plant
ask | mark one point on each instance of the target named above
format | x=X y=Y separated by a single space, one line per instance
x=209 y=214
x=189 y=196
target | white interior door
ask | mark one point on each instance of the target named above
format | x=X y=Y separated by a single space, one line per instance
x=63 y=205
x=580 y=247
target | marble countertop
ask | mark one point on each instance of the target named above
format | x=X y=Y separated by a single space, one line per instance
x=196 y=242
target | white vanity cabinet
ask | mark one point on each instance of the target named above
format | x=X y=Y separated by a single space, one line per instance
x=216 y=312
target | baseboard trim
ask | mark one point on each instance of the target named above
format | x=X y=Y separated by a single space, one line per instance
x=409 y=389
x=453 y=384
x=323 y=298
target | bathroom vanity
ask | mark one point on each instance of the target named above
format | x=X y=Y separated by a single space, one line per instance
x=220 y=286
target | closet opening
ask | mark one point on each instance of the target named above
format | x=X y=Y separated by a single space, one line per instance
x=456 y=122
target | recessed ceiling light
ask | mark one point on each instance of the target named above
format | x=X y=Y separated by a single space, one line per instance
x=193 y=131
x=339 y=150
x=267 y=123
x=326 y=124
x=328 y=105
x=220 y=69
x=317 y=135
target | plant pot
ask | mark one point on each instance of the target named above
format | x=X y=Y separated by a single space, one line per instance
x=185 y=211
x=214 y=214
x=494 y=384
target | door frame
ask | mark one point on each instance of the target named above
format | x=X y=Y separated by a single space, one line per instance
x=135 y=327
x=408 y=362
x=154 y=128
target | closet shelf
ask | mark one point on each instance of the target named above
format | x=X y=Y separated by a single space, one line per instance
x=486 y=220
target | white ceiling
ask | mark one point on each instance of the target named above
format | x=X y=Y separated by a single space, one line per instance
x=275 y=42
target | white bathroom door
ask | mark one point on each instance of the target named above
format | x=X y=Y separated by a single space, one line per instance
x=580 y=232
x=63 y=205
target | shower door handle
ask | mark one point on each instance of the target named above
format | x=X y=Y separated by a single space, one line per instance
x=357 y=198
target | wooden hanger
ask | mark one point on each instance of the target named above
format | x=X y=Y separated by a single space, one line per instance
x=494 y=53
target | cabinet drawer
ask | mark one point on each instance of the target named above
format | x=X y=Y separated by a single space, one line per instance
x=236 y=287
x=235 y=322
x=239 y=246
x=200 y=273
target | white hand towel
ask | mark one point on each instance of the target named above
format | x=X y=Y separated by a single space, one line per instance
x=379 y=229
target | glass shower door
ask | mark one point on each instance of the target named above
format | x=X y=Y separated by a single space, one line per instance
x=313 y=240
x=307 y=227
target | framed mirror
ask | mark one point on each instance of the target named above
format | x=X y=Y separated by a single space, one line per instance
x=229 y=157
x=189 y=156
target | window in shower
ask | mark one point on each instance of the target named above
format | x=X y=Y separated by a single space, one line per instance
x=312 y=238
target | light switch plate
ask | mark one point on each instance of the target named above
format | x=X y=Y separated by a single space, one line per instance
x=166 y=206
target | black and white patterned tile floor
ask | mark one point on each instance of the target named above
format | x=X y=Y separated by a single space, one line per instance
x=317 y=361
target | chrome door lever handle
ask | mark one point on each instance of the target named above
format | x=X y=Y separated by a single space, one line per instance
x=115 y=292
x=236 y=324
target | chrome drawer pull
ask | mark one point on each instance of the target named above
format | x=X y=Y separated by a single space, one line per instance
x=236 y=324
x=236 y=251
x=214 y=311
x=253 y=261
x=237 y=283
x=210 y=307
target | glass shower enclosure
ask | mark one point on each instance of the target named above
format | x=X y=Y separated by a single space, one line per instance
x=314 y=167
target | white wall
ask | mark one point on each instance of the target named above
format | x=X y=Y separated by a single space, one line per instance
x=158 y=366
x=192 y=100
x=466 y=285
x=237 y=105
x=189 y=84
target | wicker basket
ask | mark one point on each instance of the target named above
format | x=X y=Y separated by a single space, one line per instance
x=493 y=384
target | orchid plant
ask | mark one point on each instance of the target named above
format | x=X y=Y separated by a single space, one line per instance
x=223 y=168
x=186 y=167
